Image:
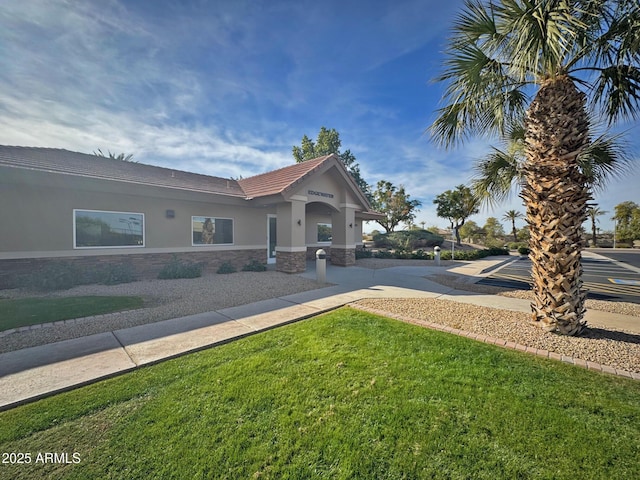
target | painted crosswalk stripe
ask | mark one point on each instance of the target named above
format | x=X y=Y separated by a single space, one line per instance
x=624 y=281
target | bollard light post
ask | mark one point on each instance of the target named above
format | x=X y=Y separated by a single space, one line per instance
x=321 y=266
x=436 y=255
x=453 y=244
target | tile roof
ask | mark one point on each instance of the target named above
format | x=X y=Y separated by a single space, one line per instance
x=73 y=163
x=278 y=181
x=65 y=162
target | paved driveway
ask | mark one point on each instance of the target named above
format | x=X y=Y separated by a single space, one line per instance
x=623 y=255
x=605 y=278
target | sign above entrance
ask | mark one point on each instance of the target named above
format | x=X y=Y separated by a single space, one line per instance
x=320 y=194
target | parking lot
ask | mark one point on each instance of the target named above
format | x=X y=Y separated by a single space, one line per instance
x=604 y=278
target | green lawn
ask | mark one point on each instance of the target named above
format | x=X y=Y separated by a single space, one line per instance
x=21 y=312
x=344 y=395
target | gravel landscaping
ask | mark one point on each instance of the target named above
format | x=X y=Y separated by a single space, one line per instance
x=165 y=299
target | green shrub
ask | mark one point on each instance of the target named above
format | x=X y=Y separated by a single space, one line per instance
x=420 y=255
x=407 y=239
x=462 y=254
x=380 y=240
x=65 y=275
x=446 y=255
x=180 y=269
x=226 y=267
x=523 y=250
x=254 y=266
x=493 y=243
x=473 y=254
x=497 y=251
x=363 y=253
x=53 y=276
x=115 y=274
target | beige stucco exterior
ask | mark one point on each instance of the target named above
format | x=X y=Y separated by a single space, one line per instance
x=37 y=216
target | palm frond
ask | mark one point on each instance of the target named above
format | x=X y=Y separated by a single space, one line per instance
x=482 y=97
x=540 y=36
x=512 y=215
x=475 y=22
x=607 y=157
x=515 y=133
x=619 y=42
x=593 y=212
x=499 y=47
x=617 y=91
x=613 y=53
x=496 y=177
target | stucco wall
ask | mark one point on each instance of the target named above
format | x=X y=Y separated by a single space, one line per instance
x=37 y=220
x=36 y=214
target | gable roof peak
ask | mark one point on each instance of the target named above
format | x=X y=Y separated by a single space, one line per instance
x=283 y=179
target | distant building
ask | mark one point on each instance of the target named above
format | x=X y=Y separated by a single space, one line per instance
x=56 y=204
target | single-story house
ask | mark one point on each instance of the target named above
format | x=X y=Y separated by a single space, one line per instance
x=88 y=210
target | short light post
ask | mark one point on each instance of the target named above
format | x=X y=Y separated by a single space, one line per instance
x=453 y=244
x=321 y=266
x=436 y=255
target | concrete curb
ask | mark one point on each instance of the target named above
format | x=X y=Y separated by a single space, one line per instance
x=37 y=372
x=70 y=321
x=136 y=364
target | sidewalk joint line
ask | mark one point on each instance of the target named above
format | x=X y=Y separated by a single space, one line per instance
x=124 y=348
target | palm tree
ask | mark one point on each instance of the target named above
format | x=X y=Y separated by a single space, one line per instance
x=500 y=173
x=593 y=213
x=546 y=61
x=122 y=157
x=513 y=215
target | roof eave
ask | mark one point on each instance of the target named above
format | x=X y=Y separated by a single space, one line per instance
x=370 y=215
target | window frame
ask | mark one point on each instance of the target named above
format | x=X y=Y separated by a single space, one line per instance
x=115 y=212
x=213 y=218
x=323 y=242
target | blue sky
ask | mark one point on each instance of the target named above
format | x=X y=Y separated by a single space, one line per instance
x=227 y=87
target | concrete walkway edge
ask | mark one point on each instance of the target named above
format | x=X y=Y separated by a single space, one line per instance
x=33 y=373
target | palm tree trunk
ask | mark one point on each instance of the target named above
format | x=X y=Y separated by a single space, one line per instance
x=556 y=195
x=593 y=231
x=513 y=230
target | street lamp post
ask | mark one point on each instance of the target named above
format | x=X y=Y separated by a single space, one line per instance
x=453 y=243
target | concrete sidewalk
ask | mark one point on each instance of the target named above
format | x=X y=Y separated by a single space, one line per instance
x=32 y=373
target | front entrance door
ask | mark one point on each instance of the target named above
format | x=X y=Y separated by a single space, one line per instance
x=272 y=239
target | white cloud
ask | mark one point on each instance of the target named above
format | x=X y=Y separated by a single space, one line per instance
x=198 y=149
x=226 y=88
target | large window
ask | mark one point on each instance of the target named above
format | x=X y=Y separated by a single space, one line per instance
x=324 y=232
x=211 y=231
x=96 y=229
